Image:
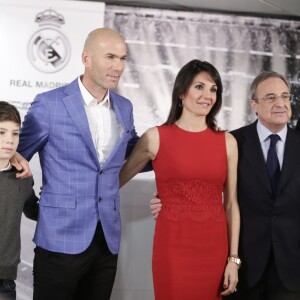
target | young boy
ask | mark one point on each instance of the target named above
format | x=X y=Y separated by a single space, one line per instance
x=16 y=195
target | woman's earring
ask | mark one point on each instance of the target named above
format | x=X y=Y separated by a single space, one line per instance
x=180 y=103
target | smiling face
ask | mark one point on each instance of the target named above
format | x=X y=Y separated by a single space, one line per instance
x=201 y=95
x=277 y=114
x=9 y=140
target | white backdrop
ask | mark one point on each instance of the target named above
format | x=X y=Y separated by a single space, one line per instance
x=20 y=81
x=35 y=57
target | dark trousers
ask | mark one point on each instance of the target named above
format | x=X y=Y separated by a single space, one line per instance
x=269 y=287
x=7 y=289
x=87 y=275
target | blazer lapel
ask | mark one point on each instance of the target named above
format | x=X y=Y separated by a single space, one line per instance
x=74 y=105
x=254 y=154
x=118 y=111
x=123 y=129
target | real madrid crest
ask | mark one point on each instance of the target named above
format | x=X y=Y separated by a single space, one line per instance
x=48 y=48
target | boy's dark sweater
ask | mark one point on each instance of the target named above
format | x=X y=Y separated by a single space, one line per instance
x=16 y=195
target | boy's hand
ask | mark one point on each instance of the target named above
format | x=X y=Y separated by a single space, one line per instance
x=21 y=164
x=155 y=206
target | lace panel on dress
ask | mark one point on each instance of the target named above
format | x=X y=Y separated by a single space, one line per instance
x=195 y=199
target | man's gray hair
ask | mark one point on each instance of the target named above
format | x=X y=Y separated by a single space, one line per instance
x=263 y=76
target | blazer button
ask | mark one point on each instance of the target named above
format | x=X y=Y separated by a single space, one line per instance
x=101 y=172
x=99 y=199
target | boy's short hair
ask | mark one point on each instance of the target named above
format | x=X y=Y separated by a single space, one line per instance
x=9 y=112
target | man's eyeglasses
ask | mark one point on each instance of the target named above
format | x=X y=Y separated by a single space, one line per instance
x=273 y=98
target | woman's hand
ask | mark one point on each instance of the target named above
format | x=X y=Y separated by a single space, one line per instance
x=230 y=279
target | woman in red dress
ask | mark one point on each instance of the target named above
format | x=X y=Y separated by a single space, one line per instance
x=195 y=250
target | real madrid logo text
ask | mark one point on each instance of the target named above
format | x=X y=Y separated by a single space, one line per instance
x=48 y=48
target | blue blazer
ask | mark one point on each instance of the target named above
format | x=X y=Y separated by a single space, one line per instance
x=77 y=192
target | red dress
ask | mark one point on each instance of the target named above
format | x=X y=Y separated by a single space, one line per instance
x=190 y=241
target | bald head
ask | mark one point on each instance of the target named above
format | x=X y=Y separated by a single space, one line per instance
x=100 y=36
x=103 y=56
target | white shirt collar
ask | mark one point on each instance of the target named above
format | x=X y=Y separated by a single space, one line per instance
x=264 y=132
x=7 y=168
x=88 y=98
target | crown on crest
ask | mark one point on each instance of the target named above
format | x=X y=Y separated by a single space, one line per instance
x=49 y=16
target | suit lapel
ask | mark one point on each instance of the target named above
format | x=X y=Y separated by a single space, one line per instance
x=74 y=105
x=253 y=153
x=118 y=110
x=291 y=157
x=123 y=129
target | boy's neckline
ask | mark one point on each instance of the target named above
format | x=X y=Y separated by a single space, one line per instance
x=8 y=167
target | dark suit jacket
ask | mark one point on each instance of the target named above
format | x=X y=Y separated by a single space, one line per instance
x=268 y=221
x=298 y=125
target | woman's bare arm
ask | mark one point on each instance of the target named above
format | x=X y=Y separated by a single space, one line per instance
x=145 y=149
x=232 y=214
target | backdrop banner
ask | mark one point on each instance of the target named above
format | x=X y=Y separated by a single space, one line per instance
x=41 y=46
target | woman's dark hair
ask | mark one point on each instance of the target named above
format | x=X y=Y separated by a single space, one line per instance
x=9 y=112
x=184 y=80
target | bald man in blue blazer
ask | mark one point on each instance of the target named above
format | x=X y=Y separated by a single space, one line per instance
x=82 y=133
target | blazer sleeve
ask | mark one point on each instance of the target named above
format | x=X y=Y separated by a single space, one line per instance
x=35 y=128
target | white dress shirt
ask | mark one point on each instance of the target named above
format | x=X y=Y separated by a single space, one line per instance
x=263 y=134
x=103 y=123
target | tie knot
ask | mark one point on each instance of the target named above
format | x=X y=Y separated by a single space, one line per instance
x=274 y=138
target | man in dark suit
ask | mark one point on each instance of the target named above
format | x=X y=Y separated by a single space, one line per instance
x=269 y=196
x=269 y=204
